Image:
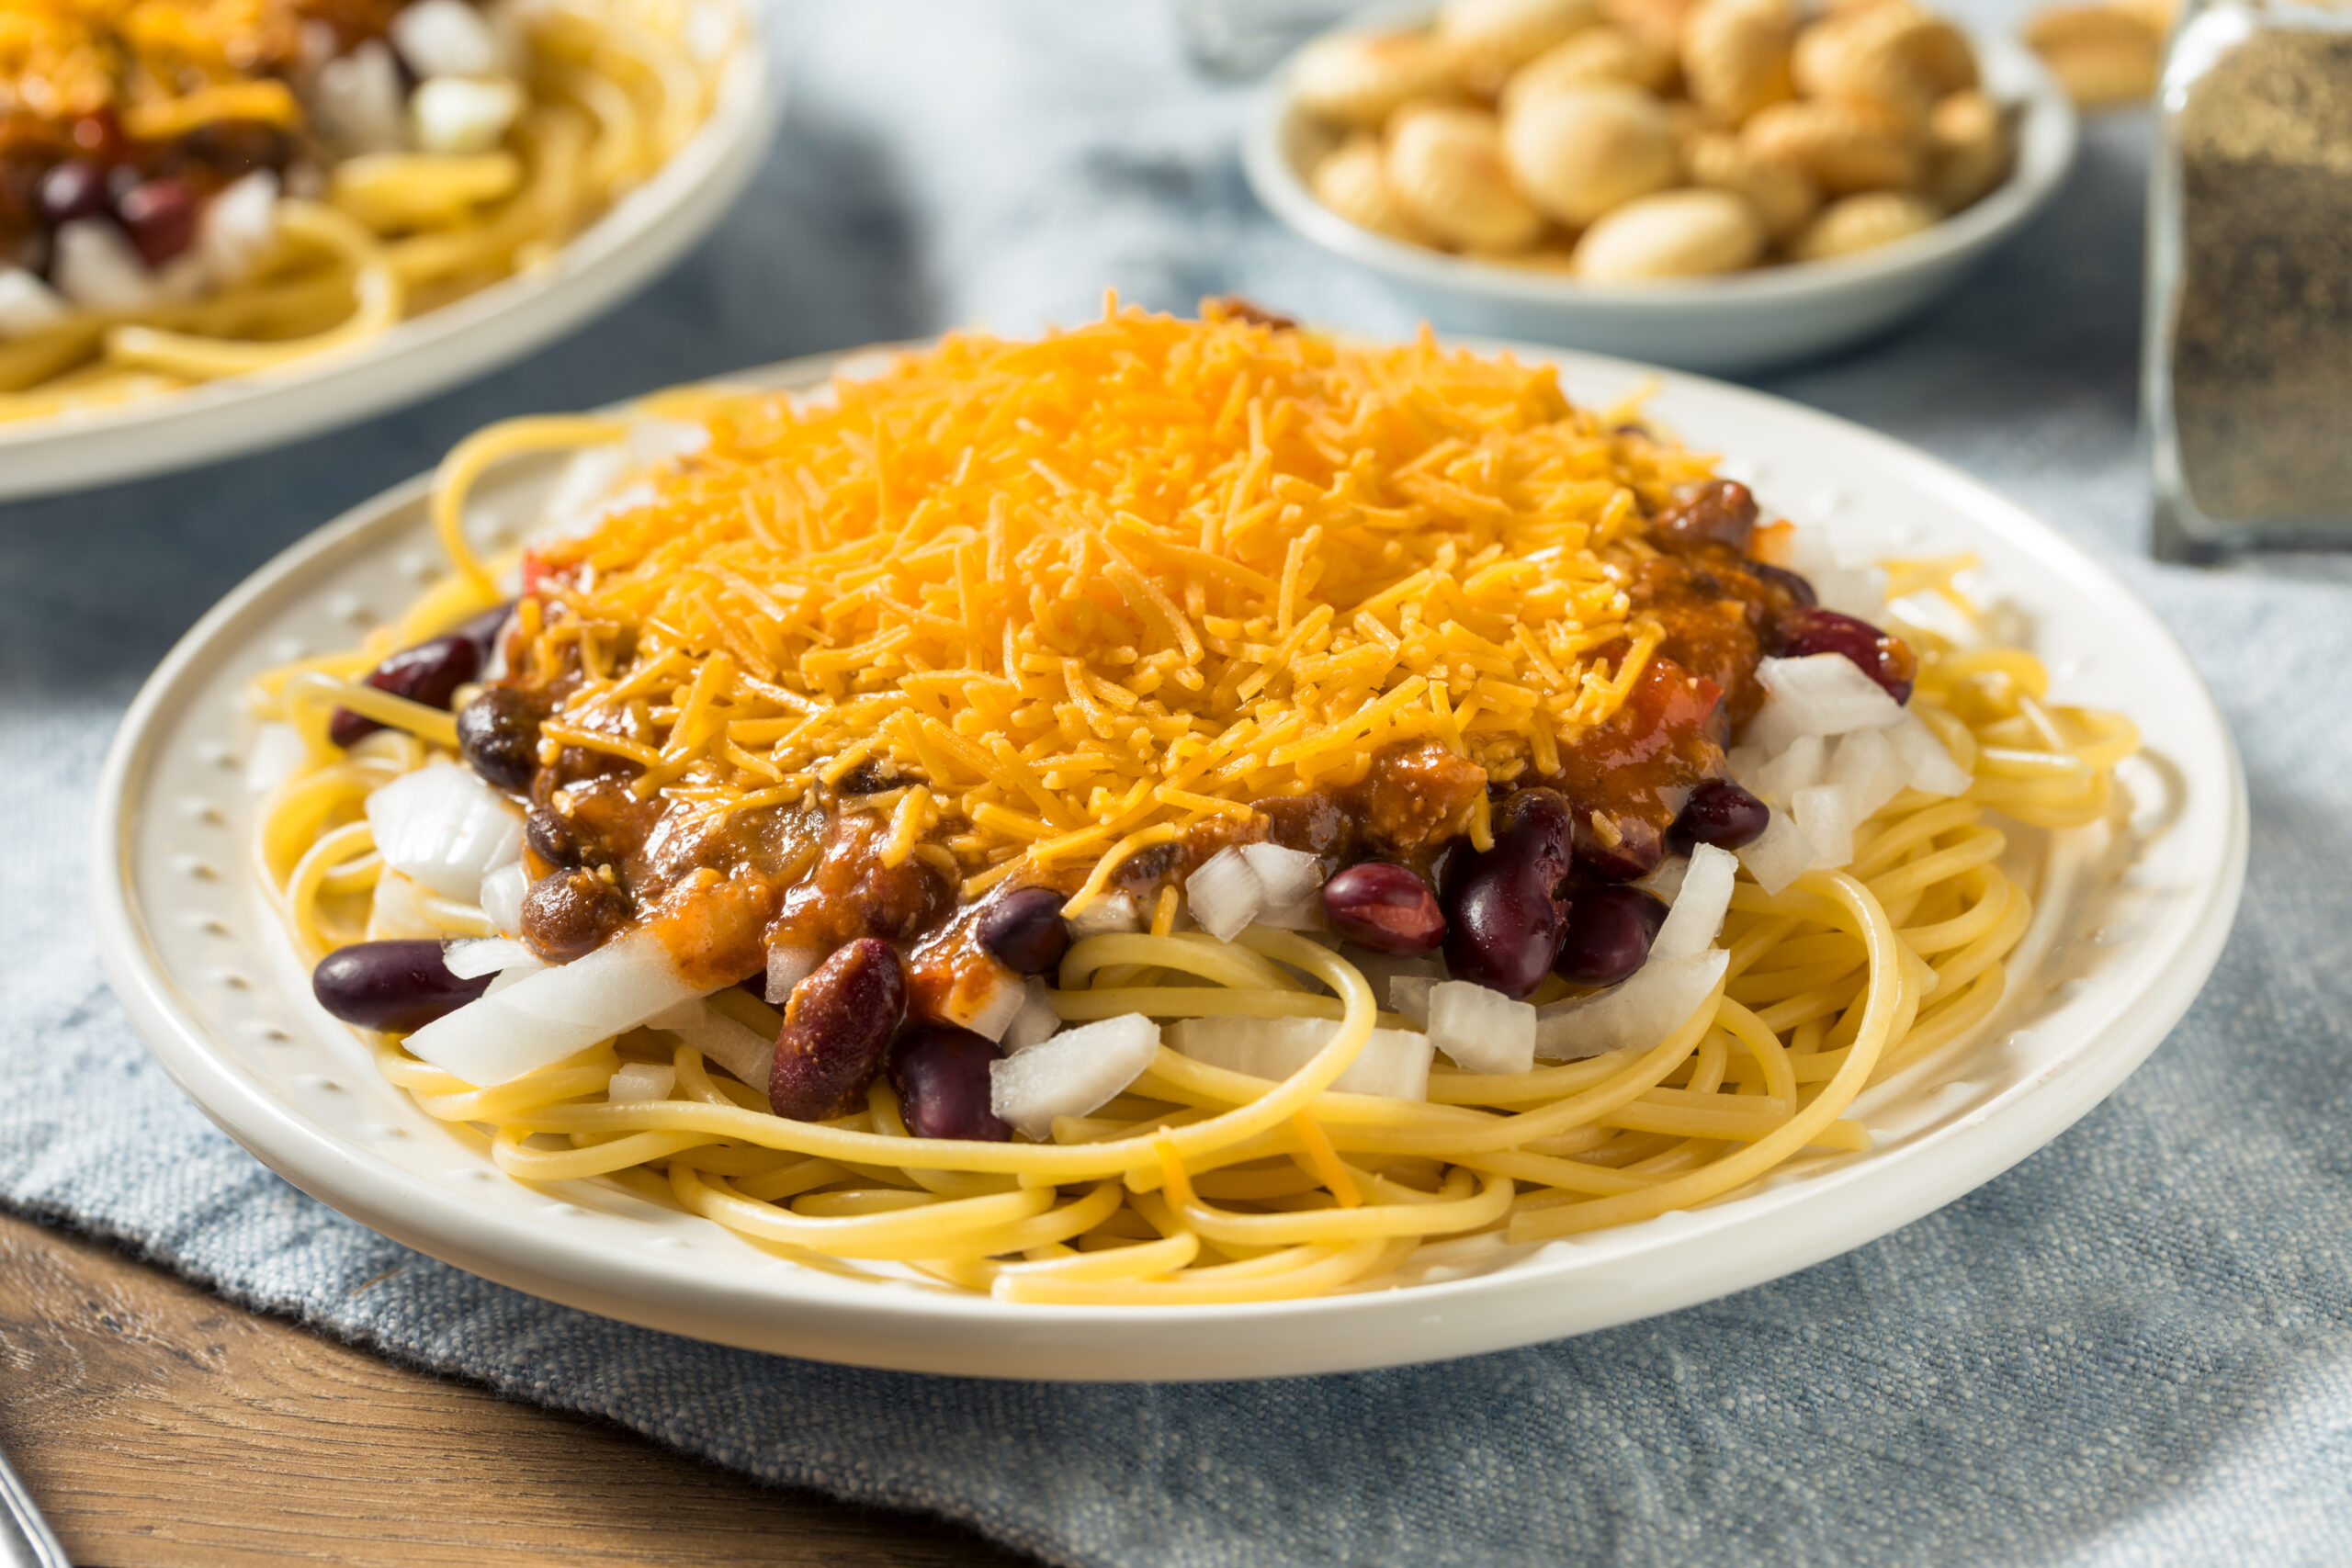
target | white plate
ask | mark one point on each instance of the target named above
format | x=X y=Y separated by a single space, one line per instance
x=2129 y=926
x=1740 y=322
x=648 y=229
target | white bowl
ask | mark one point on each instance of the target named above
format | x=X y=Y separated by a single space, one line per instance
x=1739 y=322
x=2128 y=923
x=647 y=230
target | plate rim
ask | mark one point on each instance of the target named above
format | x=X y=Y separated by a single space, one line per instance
x=902 y=1331
x=628 y=245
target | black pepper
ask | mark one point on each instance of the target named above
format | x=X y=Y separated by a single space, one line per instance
x=2262 y=333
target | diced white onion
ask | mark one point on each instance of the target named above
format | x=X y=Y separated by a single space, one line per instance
x=739 y=1048
x=1780 y=855
x=1655 y=1000
x=639 y=1083
x=476 y=956
x=787 y=966
x=573 y=502
x=1110 y=914
x=1395 y=1062
x=1035 y=1023
x=1225 y=894
x=1700 y=905
x=237 y=226
x=1856 y=590
x=1803 y=763
x=1665 y=879
x=1868 y=771
x=1658 y=1000
x=1823 y=693
x=396 y=910
x=461 y=114
x=1482 y=1030
x=27 y=304
x=1381 y=971
x=652 y=442
x=507 y=979
x=1306 y=915
x=1932 y=769
x=1744 y=762
x=999 y=1005
x=277 y=751
x=445 y=827
x=1410 y=995
x=359 y=100
x=502 y=891
x=1826 y=817
x=1076 y=1072
x=95 y=266
x=1292 y=884
x=1841 y=566
x=556 y=1012
x=443 y=38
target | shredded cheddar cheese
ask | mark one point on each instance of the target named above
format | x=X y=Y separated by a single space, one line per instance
x=169 y=65
x=1070 y=597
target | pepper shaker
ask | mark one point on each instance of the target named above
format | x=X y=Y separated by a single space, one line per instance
x=2247 y=364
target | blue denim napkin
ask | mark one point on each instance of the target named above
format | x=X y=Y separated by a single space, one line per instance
x=2134 y=1347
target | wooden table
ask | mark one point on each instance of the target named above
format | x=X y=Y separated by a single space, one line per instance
x=155 y=1423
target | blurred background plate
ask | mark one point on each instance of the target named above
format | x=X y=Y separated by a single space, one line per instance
x=646 y=230
x=2129 y=919
x=1739 y=322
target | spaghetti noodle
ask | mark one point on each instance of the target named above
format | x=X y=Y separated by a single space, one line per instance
x=193 y=189
x=1021 y=658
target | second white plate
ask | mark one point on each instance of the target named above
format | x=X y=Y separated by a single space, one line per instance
x=647 y=230
x=2130 y=919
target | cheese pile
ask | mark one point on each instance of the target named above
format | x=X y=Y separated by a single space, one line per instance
x=1067 y=597
x=169 y=65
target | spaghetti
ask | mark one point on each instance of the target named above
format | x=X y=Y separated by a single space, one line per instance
x=1022 y=658
x=193 y=189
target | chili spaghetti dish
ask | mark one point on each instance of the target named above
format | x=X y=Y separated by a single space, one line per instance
x=1172 y=812
x=193 y=189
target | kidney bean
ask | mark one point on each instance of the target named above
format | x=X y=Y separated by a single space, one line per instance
x=483 y=631
x=75 y=188
x=1718 y=512
x=397 y=986
x=869 y=777
x=1023 y=930
x=942 y=1075
x=100 y=134
x=1799 y=590
x=1241 y=309
x=1501 y=929
x=1385 y=908
x=498 y=735
x=1610 y=933
x=1720 y=813
x=836 y=1028
x=1617 y=846
x=551 y=838
x=1503 y=908
x=430 y=674
x=1536 y=831
x=1883 y=657
x=160 y=217
x=569 y=914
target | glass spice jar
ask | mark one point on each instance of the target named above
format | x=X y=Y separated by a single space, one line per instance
x=2247 y=389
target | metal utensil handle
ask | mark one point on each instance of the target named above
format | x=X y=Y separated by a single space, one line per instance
x=25 y=1537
